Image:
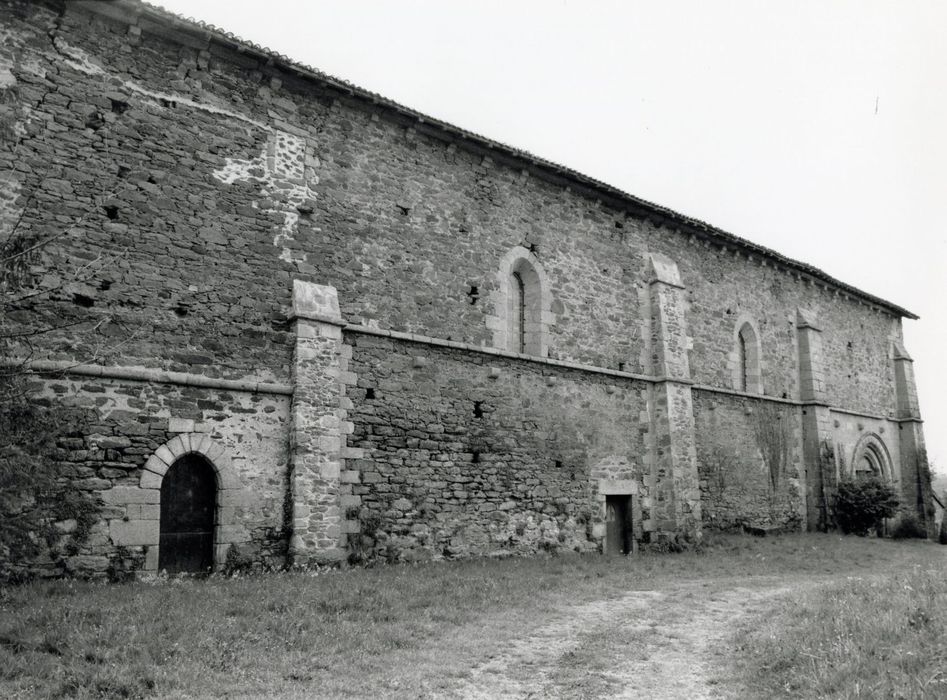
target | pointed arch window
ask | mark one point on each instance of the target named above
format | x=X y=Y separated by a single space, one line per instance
x=747 y=374
x=518 y=299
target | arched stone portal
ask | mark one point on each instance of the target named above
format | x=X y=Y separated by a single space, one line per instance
x=196 y=473
x=870 y=459
x=188 y=516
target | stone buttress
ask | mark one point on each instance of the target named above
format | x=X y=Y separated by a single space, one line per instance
x=676 y=503
x=816 y=422
x=915 y=490
x=318 y=426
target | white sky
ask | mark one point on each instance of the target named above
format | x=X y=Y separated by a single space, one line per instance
x=816 y=128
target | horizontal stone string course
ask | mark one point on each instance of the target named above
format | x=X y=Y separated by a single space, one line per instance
x=147 y=374
x=158 y=376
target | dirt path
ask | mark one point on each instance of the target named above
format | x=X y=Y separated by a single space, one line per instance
x=647 y=644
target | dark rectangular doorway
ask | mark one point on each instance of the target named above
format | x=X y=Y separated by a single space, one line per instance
x=617 y=525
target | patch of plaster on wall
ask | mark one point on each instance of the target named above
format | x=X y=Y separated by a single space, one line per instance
x=281 y=171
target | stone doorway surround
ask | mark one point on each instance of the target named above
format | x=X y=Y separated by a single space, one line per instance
x=620 y=487
x=141 y=524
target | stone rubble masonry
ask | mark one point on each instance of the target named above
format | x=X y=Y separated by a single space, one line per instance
x=136 y=429
x=239 y=222
x=734 y=481
x=468 y=453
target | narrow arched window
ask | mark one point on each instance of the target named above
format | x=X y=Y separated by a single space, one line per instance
x=747 y=375
x=522 y=305
x=741 y=342
x=518 y=291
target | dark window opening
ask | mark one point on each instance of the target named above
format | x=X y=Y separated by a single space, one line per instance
x=475 y=459
x=111 y=211
x=478 y=409
x=474 y=294
x=744 y=363
x=520 y=310
x=369 y=393
x=82 y=300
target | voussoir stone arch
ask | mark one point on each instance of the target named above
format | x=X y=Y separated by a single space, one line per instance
x=522 y=304
x=873 y=449
x=227 y=530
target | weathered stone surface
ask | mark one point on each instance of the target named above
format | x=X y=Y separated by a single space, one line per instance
x=239 y=209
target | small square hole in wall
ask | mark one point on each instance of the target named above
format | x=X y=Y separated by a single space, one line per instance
x=369 y=393
x=478 y=409
x=475 y=459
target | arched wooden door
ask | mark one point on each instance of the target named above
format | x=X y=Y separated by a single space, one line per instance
x=188 y=505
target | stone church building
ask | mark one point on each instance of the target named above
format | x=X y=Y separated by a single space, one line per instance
x=306 y=324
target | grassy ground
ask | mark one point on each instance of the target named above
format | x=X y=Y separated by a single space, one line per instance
x=878 y=637
x=403 y=631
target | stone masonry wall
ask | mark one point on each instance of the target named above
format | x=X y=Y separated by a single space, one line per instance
x=199 y=182
x=734 y=480
x=126 y=423
x=184 y=187
x=471 y=454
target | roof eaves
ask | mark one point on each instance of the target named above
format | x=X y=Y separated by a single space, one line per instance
x=659 y=214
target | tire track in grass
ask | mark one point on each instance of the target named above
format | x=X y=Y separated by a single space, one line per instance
x=671 y=643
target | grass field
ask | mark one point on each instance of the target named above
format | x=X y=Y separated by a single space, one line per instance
x=861 y=638
x=416 y=631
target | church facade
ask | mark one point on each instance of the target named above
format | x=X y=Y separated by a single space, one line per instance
x=305 y=324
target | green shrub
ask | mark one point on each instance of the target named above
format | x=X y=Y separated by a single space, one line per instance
x=861 y=505
x=909 y=527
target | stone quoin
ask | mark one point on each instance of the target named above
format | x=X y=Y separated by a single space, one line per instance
x=392 y=339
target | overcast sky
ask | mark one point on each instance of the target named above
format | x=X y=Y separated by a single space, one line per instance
x=816 y=128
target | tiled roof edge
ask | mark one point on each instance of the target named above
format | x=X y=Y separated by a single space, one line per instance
x=656 y=213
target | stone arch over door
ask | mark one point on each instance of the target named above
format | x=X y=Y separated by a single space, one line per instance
x=871 y=457
x=228 y=490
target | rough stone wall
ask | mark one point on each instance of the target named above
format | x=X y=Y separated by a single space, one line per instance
x=126 y=423
x=734 y=480
x=857 y=338
x=471 y=454
x=185 y=187
x=223 y=182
